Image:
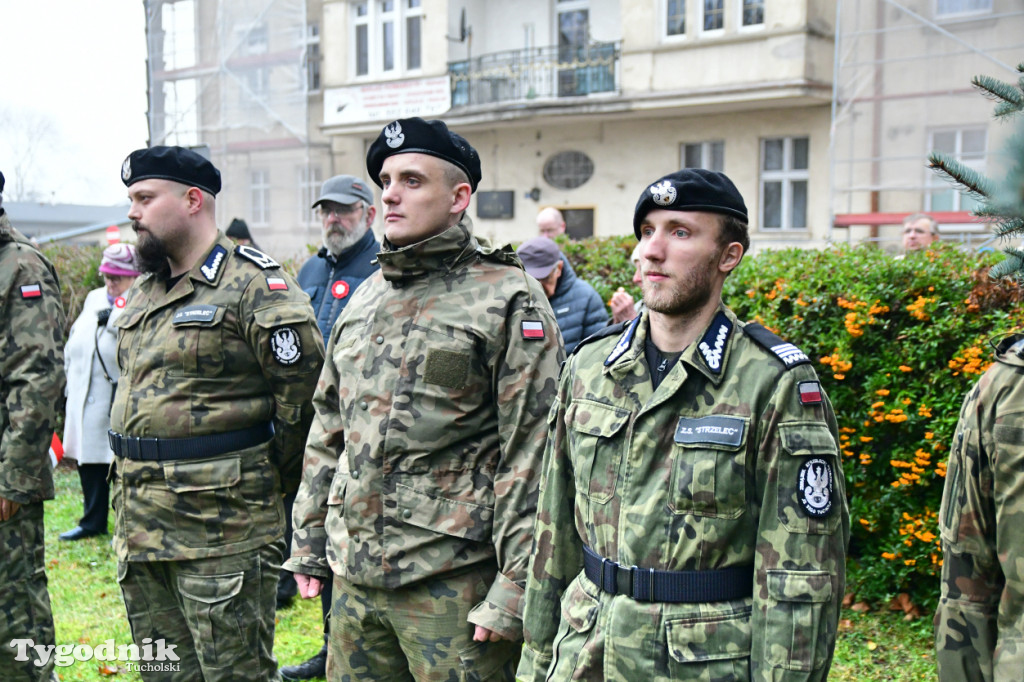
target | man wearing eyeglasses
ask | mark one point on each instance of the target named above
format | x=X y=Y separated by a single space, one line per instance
x=347 y=257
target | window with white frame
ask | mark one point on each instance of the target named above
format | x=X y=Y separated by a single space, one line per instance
x=966 y=145
x=784 y=176
x=313 y=57
x=714 y=15
x=946 y=8
x=708 y=155
x=178 y=21
x=259 y=197
x=675 y=17
x=752 y=13
x=387 y=36
x=310 y=178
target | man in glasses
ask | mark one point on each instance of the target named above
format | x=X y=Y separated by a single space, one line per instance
x=347 y=257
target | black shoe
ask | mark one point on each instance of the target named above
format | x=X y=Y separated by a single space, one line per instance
x=287 y=588
x=79 y=533
x=314 y=668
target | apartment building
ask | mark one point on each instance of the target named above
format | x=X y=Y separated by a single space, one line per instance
x=822 y=112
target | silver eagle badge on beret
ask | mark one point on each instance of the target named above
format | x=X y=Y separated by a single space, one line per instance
x=126 y=169
x=664 y=193
x=395 y=136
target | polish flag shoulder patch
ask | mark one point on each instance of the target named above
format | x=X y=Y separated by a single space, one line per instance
x=810 y=392
x=533 y=329
x=276 y=284
x=31 y=291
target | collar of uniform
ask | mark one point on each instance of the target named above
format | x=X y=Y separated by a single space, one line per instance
x=628 y=353
x=709 y=354
x=209 y=268
x=438 y=253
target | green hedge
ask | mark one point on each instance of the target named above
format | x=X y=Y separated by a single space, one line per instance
x=897 y=343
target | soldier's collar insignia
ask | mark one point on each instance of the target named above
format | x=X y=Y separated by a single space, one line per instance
x=814 y=487
x=256 y=256
x=712 y=346
x=213 y=263
x=625 y=341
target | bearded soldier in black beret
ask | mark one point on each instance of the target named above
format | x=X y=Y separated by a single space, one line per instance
x=219 y=354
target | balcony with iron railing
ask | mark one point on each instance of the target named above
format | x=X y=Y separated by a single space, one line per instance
x=520 y=76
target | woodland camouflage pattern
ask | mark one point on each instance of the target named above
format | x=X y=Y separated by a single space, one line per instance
x=979 y=624
x=617 y=479
x=31 y=386
x=423 y=456
x=206 y=376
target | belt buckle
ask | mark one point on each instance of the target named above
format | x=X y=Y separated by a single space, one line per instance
x=608 y=570
x=634 y=574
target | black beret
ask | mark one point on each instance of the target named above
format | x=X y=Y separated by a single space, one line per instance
x=691 y=189
x=1 y=181
x=171 y=163
x=238 y=229
x=414 y=135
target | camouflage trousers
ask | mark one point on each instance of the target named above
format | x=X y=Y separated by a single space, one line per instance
x=24 y=602
x=415 y=633
x=218 y=613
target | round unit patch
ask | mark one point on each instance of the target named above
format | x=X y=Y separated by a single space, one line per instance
x=120 y=302
x=286 y=346
x=814 y=487
x=340 y=289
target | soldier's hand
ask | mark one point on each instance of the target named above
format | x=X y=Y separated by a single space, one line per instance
x=482 y=634
x=8 y=508
x=309 y=586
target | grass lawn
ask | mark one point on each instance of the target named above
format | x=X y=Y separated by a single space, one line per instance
x=87 y=609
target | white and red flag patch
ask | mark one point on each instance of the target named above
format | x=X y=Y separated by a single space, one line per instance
x=276 y=284
x=56 y=450
x=533 y=329
x=31 y=291
x=810 y=392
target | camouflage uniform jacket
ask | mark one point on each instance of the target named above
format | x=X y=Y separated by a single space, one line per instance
x=31 y=366
x=703 y=473
x=979 y=624
x=423 y=456
x=233 y=345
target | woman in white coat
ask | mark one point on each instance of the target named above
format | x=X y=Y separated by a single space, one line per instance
x=90 y=363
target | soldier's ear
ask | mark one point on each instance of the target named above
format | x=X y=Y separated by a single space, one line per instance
x=731 y=256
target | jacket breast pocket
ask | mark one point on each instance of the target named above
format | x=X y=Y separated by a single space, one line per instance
x=195 y=346
x=128 y=320
x=796 y=636
x=809 y=494
x=597 y=436
x=709 y=460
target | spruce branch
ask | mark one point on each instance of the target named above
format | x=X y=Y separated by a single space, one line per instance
x=1010 y=227
x=998 y=90
x=964 y=177
x=1011 y=268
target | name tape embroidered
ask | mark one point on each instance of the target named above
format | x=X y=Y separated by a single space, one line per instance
x=31 y=291
x=810 y=392
x=195 y=313
x=277 y=284
x=533 y=329
x=712 y=430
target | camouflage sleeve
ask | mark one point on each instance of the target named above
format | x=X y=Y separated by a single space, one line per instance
x=325 y=442
x=525 y=378
x=803 y=531
x=979 y=622
x=277 y=330
x=31 y=375
x=557 y=556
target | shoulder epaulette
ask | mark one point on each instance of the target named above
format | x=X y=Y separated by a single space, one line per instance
x=790 y=355
x=256 y=256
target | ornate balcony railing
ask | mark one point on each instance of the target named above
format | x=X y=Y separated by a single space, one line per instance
x=539 y=73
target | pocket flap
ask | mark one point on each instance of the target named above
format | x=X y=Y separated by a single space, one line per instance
x=185 y=476
x=597 y=419
x=210 y=589
x=284 y=313
x=807 y=438
x=799 y=586
x=709 y=638
x=129 y=318
x=443 y=515
x=579 y=607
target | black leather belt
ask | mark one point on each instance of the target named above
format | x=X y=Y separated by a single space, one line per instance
x=196 y=447
x=648 y=584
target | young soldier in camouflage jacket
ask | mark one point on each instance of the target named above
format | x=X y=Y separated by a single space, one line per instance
x=692 y=522
x=979 y=624
x=31 y=387
x=420 y=483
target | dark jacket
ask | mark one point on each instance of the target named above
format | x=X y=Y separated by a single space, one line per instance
x=330 y=282
x=578 y=308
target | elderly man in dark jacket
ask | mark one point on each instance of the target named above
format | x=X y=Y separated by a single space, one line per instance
x=578 y=308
